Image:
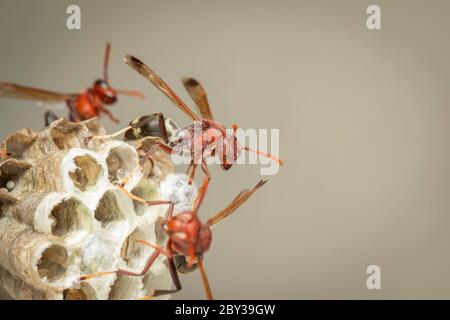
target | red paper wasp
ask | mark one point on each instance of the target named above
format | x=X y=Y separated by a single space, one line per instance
x=212 y=137
x=188 y=239
x=85 y=105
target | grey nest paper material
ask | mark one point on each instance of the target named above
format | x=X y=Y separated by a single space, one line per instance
x=61 y=215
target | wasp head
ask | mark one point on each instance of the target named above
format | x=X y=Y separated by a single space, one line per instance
x=105 y=92
x=228 y=149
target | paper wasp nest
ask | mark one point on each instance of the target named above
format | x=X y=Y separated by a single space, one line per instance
x=61 y=215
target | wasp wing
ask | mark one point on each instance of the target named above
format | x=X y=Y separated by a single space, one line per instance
x=151 y=75
x=11 y=90
x=236 y=203
x=198 y=94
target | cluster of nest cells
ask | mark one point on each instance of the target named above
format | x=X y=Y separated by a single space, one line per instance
x=62 y=216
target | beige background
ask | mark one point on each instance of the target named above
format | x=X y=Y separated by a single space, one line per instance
x=364 y=118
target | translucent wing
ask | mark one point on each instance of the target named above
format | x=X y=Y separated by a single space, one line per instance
x=198 y=94
x=151 y=75
x=11 y=90
x=236 y=203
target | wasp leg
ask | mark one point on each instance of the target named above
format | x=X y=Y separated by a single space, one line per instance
x=205 y=281
x=113 y=135
x=73 y=114
x=109 y=114
x=49 y=117
x=144 y=159
x=192 y=175
x=205 y=170
x=142 y=200
x=193 y=166
x=200 y=195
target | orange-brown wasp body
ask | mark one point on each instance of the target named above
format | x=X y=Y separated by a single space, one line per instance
x=82 y=106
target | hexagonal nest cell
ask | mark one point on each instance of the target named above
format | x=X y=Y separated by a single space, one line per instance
x=121 y=161
x=133 y=253
x=53 y=263
x=68 y=216
x=87 y=172
x=66 y=134
x=113 y=208
x=146 y=190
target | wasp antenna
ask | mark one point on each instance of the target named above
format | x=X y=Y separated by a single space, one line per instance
x=106 y=61
x=267 y=155
x=131 y=93
x=200 y=195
